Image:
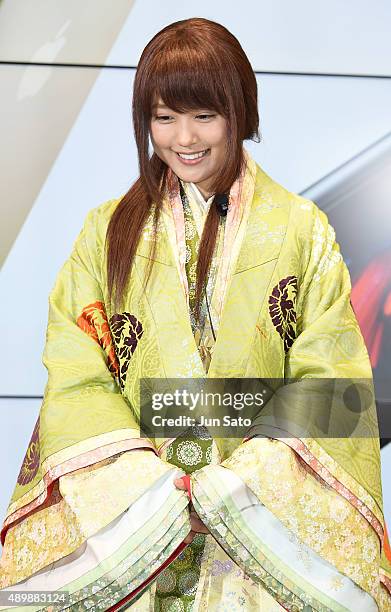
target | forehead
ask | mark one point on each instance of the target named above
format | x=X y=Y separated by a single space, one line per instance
x=158 y=103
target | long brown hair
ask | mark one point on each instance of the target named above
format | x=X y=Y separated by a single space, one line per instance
x=191 y=64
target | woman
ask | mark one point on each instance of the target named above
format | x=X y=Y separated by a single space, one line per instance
x=171 y=282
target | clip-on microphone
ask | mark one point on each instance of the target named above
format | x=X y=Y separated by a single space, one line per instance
x=221 y=201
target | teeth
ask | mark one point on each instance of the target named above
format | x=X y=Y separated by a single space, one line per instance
x=194 y=155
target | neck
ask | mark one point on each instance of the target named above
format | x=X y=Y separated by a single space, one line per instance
x=206 y=194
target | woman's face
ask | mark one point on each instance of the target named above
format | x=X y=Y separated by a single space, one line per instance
x=198 y=131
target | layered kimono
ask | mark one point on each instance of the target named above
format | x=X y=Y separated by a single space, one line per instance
x=295 y=523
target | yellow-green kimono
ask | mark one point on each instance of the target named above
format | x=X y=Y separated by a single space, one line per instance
x=295 y=523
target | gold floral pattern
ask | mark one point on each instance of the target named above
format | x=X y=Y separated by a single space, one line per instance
x=82 y=502
x=315 y=513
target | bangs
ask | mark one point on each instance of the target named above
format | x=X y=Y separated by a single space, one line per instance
x=186 y=80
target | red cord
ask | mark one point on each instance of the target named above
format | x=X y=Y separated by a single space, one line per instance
x=187 y=483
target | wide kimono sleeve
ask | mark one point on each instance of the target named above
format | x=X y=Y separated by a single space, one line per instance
x=303 y=516
x=94 y=510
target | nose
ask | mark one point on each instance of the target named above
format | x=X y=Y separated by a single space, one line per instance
x=185 y=133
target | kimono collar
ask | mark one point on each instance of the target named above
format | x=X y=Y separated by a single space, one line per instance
x=192 y=190
x=199 y=206
x=240 y=197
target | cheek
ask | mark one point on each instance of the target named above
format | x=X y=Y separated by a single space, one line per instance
x=158 y=137
x=218 y=137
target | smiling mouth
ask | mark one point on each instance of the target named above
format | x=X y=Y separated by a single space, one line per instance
x=196 y=155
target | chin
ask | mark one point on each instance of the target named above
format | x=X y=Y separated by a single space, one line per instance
x=192 y=178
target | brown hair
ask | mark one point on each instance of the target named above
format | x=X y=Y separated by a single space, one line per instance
x=191 y=64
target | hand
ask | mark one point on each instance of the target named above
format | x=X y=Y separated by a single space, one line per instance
x=197 y=526
x=178 y=482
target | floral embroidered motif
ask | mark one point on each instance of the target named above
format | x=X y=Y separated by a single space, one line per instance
x=219 y=567
x=189 y=453
x=187 y=582
x=30 y=463
x=166 y=581
x=326 y=250
x=93 y=321
x=127 y=331
x=282 y=309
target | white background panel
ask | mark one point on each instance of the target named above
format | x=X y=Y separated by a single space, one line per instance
x=63 y=31
x=40 y=104
x=350 y=37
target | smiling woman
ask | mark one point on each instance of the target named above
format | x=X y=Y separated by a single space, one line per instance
x=166 y=283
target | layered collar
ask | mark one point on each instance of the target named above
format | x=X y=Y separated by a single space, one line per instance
x=240 y=198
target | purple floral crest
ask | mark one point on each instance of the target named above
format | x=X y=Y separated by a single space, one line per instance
x=282 y=303
x=126 y=330
x=30 y=463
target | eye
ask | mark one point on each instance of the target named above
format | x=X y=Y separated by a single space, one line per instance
x=165 y=118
